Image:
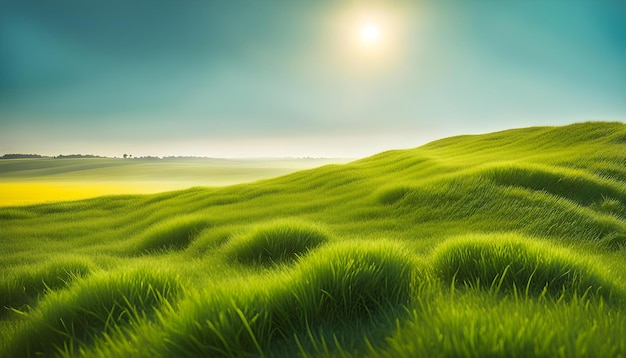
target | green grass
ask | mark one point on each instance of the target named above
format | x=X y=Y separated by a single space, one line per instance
x=92 y=309
x=27 y=284
x=521 y=266
x=505 y=244
x=199 y=170
x=276 y=242
x=172 y=234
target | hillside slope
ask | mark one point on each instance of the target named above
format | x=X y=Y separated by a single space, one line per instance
x=504 y=244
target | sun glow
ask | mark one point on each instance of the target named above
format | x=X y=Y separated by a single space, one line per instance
x=370 y=34
x=369 y=39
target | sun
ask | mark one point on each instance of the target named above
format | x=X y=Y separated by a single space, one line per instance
x=370 y=34
x=368 y=40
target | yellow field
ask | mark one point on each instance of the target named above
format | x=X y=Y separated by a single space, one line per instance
x=38 y=180
x=20 y=193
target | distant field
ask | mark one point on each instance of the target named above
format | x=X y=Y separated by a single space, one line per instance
x=28 y=181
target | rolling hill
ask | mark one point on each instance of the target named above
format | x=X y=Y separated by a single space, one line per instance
x=503 y=244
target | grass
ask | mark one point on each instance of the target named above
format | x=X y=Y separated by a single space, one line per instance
x=521 y=266
x=28 y=284
x=172 y=234
x=95 y=307
x=502 y=244
x=276 y=242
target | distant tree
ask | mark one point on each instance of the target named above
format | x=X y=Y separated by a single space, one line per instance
x=125 y=155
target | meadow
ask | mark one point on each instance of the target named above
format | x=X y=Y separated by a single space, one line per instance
x=38 y=180
x=508 y=244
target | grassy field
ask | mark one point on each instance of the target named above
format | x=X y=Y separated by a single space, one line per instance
x=31 y=181
x=509 y=244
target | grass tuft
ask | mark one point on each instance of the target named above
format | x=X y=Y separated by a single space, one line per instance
x=337 y=287
x=22 y=288
x=510 y=263
x=353 y=280
x=172 y=234
x=94 y=307
x=276 y=242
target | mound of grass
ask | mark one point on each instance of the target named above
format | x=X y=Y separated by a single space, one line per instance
x=220 y=322
x=70 y=319
x=483 y=324
x=173 y=234
x=276 y=242
x=25 y=286
x=211 y=239
x=338 y=286
x=393 y=194
x=582 y=189
x=510 y=263
x=350 y=281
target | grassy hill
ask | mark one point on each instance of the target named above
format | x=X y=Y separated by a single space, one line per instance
x=503 y=244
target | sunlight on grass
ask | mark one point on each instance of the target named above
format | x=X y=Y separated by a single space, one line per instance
x=277 y=242
x=503 y=244
x=511 y=263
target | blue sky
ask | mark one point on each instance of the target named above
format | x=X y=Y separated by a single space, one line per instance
x=292 y=78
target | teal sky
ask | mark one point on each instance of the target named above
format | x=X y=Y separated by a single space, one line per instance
x=293 y=78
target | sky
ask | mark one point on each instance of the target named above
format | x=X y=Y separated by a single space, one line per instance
x=285 y=78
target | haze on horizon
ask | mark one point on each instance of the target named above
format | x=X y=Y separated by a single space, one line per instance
x=284 y=78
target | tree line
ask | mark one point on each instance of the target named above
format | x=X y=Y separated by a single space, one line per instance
x=70 y=156
x=25 y=156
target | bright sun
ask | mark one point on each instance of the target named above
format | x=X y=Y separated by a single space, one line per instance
x=370 y=34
